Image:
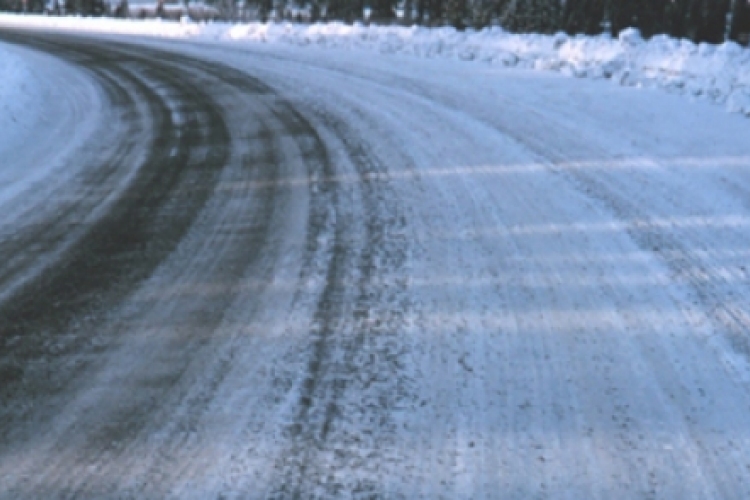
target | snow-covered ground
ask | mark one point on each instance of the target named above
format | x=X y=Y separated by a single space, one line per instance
x=15 y=89
x=720 y=74
x=51 y=117
x=337 y=276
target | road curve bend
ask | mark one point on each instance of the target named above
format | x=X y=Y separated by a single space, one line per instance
x=282 y=273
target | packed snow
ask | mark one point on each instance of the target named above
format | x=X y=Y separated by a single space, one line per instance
x=55 y=107
x=720 y=74
x=476 y=282
x=13 y=80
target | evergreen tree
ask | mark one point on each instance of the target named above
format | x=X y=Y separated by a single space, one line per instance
x=583 y=16
x=645 y=15
x=359 y=10
x=455 y=13
x=408 y=11
x=435 y=12
x=314 y=11
x=694 y=20
x=620 y=16
x=341 y=10
x=676 y=17
x=706 y=20
x=421 y=11
x=122 y=9
x=264 y=9
x=485 y=12
x=383 y=10
x=531 y=16
x=715 y=23
x=740 y=28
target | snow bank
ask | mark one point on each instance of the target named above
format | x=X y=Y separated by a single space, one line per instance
x=147 y=27
x=720 y=74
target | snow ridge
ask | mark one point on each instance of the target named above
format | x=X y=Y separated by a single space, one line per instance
x=717 y=73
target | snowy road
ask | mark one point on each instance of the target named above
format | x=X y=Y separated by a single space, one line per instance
x=268 y=273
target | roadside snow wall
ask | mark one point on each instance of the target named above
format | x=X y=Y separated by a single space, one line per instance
x=718 y=73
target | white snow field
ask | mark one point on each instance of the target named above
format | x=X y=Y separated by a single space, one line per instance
x=720 y=74
x=410 y=278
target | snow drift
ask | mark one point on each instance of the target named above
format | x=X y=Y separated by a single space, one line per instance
x=720 y=74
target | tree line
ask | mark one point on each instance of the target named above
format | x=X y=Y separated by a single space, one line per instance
x=81 y=7
x=711 y=21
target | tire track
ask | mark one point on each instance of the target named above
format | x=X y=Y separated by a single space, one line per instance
x=171 y=189
x=123 y=247
x=355 y=330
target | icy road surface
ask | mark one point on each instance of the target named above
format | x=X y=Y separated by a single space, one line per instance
x=268 y=273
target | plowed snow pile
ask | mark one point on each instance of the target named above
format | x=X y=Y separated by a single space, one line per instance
x=720 y=74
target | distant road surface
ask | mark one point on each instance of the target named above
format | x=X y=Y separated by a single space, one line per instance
x=261 y=272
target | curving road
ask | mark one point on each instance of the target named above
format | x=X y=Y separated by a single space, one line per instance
x=277 y=273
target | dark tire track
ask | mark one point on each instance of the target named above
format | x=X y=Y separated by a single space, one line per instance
x=189 y=152
x=137 y=232
x=155 y=210
x=51 y=326
x=355 y=325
